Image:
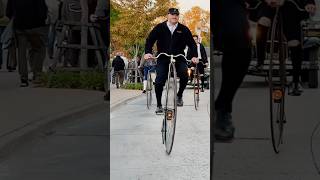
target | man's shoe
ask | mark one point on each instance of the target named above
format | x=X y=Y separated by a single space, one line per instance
x=257 y=67
x=179 y=101
x=159 y=110
x=24 y=83
x=225 y=134
x=144 y=91
x=295 y=89
x=36 y=80
x=224 y=129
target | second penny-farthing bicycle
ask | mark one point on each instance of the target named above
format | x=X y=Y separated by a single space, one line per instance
x=277 y=77
x=196 y=83
x=170 y=106
x=277 y=80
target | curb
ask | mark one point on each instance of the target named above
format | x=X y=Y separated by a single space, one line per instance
x=18 y=136
x=115 y=106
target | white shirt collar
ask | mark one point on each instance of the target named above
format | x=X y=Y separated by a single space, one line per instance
x=171 y=27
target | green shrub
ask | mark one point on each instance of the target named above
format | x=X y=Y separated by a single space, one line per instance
x=133 y=86
x=90 y=80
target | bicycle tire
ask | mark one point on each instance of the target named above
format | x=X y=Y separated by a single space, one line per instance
x=170 y=110
x=277 y=88
x=196 y=89
x=149 y=91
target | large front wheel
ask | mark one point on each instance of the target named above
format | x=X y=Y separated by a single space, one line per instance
x=170 y=109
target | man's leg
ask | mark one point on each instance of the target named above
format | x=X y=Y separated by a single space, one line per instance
x=231 y=28
x=121 y=77
x=1 y=50
x=22 y=57
x=162 y=75
x=201 y=73
x=266 y=14
x=117 y=78
x=37 y=39
x=261 y=40
x=292 y=31
x=182 y=73
x=235 y=64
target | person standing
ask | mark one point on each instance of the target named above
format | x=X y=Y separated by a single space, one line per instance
x=29 y=21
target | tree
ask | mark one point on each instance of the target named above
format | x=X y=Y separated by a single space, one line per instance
x=135 y=20
x=198 y=21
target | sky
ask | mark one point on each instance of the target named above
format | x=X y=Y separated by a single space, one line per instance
x=186 y=5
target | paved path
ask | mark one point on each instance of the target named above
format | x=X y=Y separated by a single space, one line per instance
x=137 y=152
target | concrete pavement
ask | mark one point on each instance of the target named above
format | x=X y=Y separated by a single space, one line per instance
x=77 y=150
x=24 y=110
x=137 y=152
x=120 y=96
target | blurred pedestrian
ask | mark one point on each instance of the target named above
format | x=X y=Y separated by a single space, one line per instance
x=3 y=24
x=29 y=21
x=148 y=66
x=118 y=69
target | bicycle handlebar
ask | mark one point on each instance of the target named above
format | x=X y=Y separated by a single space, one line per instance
x=189 y=62
x=172 y=56
x=292 y=1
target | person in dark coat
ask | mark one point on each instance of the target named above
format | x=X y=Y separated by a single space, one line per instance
x=203 y=58
x=172 y=38
x=29 y=21
x=118 y=66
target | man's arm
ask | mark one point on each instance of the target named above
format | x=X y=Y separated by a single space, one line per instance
x=1 y=9
x=123 y=65
x=113 y=62
x=191 y=44
x=101 y=8
x=203 y=54
x=152 y=38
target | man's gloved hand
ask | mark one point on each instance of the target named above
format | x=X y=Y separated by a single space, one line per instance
x=93 y=18
x=195 y=60
x=148 y=56
x=274 y=3
x=311 y=8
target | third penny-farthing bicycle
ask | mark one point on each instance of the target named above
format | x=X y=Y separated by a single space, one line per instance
x=278 y=78
x=170 y=106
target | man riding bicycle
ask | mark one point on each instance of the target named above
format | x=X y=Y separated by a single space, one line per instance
x=172 y=38
x=202 y=56
x=292 y=30
x=149 y=66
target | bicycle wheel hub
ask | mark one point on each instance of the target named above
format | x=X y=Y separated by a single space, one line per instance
x=196 y=90
x=189 y=72
x=277 y=95
x=169 y=114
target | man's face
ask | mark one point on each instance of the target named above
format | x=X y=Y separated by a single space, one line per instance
x=173 y=18
x=196 y=39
